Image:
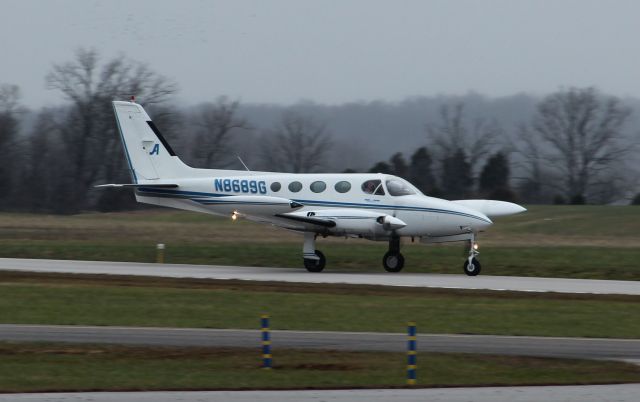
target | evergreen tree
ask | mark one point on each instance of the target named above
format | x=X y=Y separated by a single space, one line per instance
x=494 y=178
x=9 y=130
x=399 y=165
x=420 y=173
x=381 y=167
x=456 y=176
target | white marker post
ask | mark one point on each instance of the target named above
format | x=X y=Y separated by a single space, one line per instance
x=160 y=253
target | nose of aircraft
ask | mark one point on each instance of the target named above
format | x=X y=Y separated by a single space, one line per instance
x=459 y=215
x=477 y=220
x=484 y=223
x=492 y=207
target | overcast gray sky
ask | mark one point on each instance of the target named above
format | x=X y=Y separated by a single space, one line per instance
x=333 y=51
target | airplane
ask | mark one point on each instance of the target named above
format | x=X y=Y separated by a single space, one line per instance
x=374 y=206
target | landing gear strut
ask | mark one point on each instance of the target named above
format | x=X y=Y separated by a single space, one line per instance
x=472 y=266
x=314 y=260
x=393 y=260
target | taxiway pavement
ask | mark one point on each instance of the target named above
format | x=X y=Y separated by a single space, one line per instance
x=588 y=393
x=408 y=279
x=584 y=348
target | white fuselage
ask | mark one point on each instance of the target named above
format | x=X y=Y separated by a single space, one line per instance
x=255 y=195
x=371 y=206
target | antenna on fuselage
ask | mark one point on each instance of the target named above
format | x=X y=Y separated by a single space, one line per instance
x=241 y=161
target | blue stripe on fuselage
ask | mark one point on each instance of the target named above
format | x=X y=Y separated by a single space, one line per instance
x=378 y=206
x=189 y=194
x=178 y=192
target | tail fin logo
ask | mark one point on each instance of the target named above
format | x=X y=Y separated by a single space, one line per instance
x=155 y=150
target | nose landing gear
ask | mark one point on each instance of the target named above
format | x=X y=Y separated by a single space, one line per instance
x=472 y=266
x=393 y=260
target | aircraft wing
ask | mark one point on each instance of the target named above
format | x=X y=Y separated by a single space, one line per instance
x=344 y=221
x=312 y=220
x=258 y=206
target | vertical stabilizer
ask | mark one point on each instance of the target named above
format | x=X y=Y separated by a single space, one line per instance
x=149 y=155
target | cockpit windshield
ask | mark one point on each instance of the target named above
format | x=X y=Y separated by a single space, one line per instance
x=398 y=187
x=373 y=187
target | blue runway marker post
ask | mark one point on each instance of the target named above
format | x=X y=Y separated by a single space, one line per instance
x=266 y=342
x=412 y=356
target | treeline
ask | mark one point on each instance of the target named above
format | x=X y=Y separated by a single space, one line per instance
x=456 y=180
x=573 y=146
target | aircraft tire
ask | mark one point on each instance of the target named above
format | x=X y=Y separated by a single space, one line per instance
x=315 y=265
x=393 y=262
x=473 y=269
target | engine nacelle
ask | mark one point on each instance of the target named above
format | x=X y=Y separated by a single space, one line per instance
x=360 y=222
x=389 y=222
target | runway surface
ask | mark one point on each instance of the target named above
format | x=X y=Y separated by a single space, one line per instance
x=527 y=284
x=586 y=348
x=590 y=393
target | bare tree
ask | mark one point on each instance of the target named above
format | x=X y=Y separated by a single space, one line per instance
x=454 y=132
x=45 y=180
x=582 y=131
x=91 y=146
x=216 y=123
x=534 y=178
x=298 y=144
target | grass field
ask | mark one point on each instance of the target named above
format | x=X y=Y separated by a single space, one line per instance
x=553 y=241
x=59 y=367
x=578 y=242
x=164 y=302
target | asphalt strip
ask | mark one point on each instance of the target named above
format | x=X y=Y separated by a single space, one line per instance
x=293 y=275
x=587 y=393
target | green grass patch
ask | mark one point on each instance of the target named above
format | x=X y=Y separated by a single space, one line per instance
x=576 y=221
x=26 y=367
x=598 y=242
x=555 y=262
x=221 y=304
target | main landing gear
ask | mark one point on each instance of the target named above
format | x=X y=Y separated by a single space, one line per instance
x=315 y=264
x=314 y=260
x=472 y=266
x=393 y=260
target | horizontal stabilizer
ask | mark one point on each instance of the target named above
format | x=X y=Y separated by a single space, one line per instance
x=137 y=185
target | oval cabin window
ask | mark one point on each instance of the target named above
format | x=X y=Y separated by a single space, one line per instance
x=342 y=186
x=318 y=186
x=295 y=186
